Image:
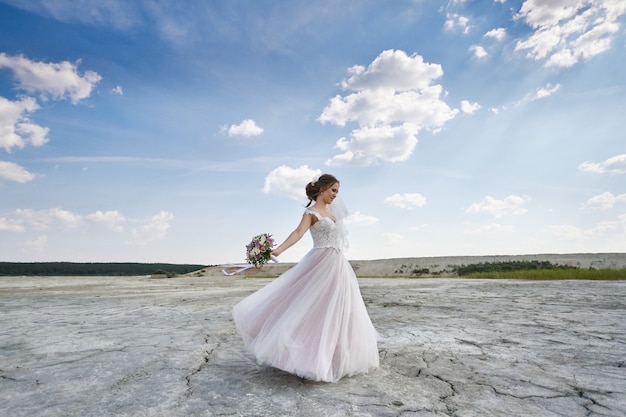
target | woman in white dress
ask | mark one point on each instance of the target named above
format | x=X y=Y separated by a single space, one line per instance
x=312 y=321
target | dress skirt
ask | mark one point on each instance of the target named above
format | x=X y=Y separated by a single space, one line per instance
x=311 y=321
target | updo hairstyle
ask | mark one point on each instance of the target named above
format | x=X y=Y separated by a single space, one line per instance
x=314 y=188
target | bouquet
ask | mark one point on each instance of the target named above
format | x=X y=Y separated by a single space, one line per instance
x=259 y=251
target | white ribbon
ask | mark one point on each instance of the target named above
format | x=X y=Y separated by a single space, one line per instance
x=243 y=267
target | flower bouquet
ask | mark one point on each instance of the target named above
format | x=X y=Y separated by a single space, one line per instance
x=259 y=250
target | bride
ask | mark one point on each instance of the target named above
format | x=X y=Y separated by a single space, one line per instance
x=312 y=321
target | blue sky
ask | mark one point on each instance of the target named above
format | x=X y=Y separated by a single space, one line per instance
x=165 y=131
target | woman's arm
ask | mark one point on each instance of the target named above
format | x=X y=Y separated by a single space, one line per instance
x=295 y=236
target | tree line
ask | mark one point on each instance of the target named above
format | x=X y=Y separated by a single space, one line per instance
x=464 y=270
x=93 y=268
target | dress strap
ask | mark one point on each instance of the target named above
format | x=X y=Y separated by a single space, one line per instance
x=313 y=212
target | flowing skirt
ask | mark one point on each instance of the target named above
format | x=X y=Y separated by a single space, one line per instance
x=311 y=321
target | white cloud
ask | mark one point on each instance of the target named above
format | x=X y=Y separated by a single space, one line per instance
x=568 y=31
x=174 y=22
x=570 y=232
x=56 y=80
x=604 y=201
x=497 y=34
x=406 y=201
x=37 y=135
x=37 y=244
x=290 y=181
x=613 y=165
x=358 y=218
x=368 y=145
x=118 y=90
x=14 y=172
x=456 y=21
x=120 y=14
x=546 y=91
x=538 y=94
x=389 y=77
x=11 y=225
x=603 y=229
x=37 y=220
x=66 y=217
x=153 y=229
x=50 y=80
x=16 y=128
x=246 y=128
x=392 y=100
x=469 y=108
x=566 y=232
x=509 y=205
x=146 y=230
x=478 y=51
x=112 y=219
x=43 y=219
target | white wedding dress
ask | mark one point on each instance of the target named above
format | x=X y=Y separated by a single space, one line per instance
x=312 y=321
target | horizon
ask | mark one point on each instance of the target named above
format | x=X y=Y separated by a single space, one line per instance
x=349 y=259
x=163 y=132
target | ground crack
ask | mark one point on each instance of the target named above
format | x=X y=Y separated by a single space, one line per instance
x=472 y=343
x=206 y=357
x=525 y=397
x=450 y=409
x=8 y=378
x=584 y=394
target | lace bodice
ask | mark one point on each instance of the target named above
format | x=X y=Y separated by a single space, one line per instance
x=325 y=232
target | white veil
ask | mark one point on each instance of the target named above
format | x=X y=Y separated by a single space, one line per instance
x=340 y=212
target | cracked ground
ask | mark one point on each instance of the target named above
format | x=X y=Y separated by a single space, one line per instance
x=133 y=346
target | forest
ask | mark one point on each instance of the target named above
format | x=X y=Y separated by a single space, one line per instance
x=93 y=269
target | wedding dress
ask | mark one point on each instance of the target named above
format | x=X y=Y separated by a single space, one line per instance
x=312 y=321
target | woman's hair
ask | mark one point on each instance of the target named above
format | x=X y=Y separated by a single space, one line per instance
x=315 y=187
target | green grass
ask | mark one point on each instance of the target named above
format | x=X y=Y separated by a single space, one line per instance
x=553 y=274
x=537 y=270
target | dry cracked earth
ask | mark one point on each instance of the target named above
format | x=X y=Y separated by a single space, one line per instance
x=136 y=346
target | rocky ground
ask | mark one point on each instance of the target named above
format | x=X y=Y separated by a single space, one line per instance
x=139 y=346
